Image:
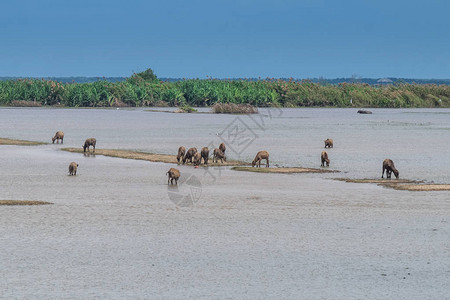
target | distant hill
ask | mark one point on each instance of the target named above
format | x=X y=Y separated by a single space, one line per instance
x=371 y=81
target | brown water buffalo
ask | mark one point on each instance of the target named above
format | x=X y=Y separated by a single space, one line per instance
x=189 y=155
x=197 y=159
x=324 y=158
x=205 y=155
x=329 y=143
x=222 y=147
x=59 y=135
x=89 y=142
x=173 y=174
x=389 y=166
x=181 y=153
x=260 y=156
x=218 y=154
x=73 y=168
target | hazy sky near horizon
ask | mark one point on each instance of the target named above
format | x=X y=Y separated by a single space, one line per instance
x=225 y=39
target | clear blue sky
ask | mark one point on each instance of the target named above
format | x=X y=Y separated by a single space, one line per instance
x=222 y=39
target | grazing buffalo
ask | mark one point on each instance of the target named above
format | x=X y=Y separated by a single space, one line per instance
x=189 y=155
x=181 y=153
x=88 y=143
x=205 y=155
x=173 y=174
x=59 y=135
x=197 y=159
x=260 y=156
x=329 y=143
x=324 y=158
x=218 y=154
x=389 y=166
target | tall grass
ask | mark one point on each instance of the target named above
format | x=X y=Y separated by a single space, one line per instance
x=144 y=89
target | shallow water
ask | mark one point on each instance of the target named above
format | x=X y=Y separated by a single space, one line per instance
x=417 y=140
x=116 y=230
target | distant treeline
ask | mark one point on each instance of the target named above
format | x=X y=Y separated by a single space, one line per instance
x=77 y=79
x=145 y=89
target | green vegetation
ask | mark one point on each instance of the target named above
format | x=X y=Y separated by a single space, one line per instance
x=145 y=89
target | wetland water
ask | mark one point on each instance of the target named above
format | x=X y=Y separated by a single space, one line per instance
x=115 y=230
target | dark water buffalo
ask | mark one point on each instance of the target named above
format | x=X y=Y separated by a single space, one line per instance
x=222 y=147
x=88 y=143
x=205 y=155
x=389 y=166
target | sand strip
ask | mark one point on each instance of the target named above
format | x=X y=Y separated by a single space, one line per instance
x=422 y=187
x=5 y=141
x=23 y=202
x=165 y=158
x=378 y=181
x=401 y=184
